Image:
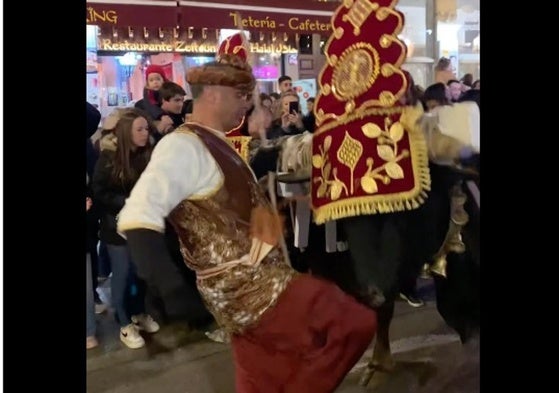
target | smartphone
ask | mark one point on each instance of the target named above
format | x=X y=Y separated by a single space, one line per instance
x=293 y=106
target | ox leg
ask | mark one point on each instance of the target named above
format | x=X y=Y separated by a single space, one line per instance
x=375 y=244
x=382 y=359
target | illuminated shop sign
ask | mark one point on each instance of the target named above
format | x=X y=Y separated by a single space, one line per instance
x=178 y=46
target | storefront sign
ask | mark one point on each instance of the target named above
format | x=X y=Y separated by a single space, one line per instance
x=102 y=16
x=267 y=19
x=165 y=13
x=114 y=14
x=279 y=22
x=179 y=46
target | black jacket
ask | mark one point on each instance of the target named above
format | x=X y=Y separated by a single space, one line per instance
x=109 y=194
x=276 y=130
x=91 y=221
x=93 y=117
x=150 y=106
x=309 y=122
x=178 y=120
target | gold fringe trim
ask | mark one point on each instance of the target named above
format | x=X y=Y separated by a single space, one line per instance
x=382 y=204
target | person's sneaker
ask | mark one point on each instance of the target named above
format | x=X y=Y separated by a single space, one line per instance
x=412 y=300
x=91 y=342
x=145 y=322
x=130 y=336
x=100 y=308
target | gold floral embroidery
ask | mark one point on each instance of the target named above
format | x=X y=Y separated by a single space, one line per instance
x=349 y=154
x=327 y=186
x=387 y=150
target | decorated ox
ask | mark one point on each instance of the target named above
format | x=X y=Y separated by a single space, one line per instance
x=387 y=175
x=441 y=229
x=443 y=232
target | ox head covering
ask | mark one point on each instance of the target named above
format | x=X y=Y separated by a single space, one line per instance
x=365 y=160
x=229 y=69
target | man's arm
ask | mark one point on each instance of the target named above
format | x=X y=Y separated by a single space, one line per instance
x=180 y=167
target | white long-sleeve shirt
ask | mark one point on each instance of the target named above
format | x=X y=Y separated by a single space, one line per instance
x=181 y=167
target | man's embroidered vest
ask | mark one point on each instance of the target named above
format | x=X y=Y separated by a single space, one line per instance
x=215 y=229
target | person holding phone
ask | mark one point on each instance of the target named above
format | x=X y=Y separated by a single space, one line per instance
x=288 y=119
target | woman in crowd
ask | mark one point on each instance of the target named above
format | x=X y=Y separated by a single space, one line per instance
x=125 y=153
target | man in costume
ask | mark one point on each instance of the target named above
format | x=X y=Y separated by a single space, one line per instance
x=290 y=332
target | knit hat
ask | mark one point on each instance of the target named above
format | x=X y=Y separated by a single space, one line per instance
x=155 y=69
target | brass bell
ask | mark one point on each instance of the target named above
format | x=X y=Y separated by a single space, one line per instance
x=439 y=266
x=459 y=216
x=457 y=213
x=454 y=242
x=457 y=246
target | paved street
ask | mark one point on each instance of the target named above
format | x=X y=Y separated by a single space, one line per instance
x=175 y=361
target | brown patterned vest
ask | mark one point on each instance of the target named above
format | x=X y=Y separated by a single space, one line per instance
x=215 y=230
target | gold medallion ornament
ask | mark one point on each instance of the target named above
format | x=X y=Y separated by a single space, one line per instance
x=356 y=71
x=364 y=35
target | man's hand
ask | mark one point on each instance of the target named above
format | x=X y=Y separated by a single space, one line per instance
x=258 y=123
x=296 y=119
x=291 y=119
x=165 y=124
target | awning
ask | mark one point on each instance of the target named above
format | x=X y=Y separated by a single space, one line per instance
x=122 y=13
x=216 y=15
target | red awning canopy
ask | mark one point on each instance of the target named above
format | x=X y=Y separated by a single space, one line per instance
x=122 y=13
x=303 y=17
x=317 y=5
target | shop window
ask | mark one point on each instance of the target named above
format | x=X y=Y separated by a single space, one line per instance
x=305 y=44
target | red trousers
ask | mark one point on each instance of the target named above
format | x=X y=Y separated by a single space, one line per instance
x=306 y=343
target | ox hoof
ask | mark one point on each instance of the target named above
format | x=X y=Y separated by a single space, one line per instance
x=367 y=376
